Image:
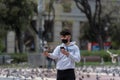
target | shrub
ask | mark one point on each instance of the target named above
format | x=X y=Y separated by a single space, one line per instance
x=103 y=54
x=19 y=57
x=1 y=46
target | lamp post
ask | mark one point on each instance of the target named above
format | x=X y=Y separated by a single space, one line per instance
x=106 y=30
x=40 y=28
x=40 y=13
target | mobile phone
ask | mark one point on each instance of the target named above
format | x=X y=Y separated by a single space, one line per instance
x=62 y=48
x=45 y=48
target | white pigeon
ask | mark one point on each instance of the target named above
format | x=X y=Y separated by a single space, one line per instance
x=113 y=56
x=9 y=61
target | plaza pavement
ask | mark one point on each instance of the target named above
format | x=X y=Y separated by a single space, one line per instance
x=82 y=73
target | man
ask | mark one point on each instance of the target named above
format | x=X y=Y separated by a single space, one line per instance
x=66 y=55
x=49 y=60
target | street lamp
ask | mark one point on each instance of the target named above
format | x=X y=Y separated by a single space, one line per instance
x=38 y=59
x=106 y=30
x=40 y=13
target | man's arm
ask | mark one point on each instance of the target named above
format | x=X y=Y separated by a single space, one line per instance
x=53 y=55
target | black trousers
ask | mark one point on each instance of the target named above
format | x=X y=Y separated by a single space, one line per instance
x=67 y=74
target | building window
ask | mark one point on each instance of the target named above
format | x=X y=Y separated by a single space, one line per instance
x=58 y=1
x=66 y=4
x=66 y=7
x=47 y=7
x=29 y=41
x=48 y=32
x=67 y=25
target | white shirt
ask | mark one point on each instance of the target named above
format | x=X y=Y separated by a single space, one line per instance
x=63 y=61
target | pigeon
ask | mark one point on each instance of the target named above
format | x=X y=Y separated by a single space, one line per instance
x=113 y=56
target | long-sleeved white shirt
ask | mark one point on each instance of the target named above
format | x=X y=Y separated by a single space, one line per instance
x=63 y=61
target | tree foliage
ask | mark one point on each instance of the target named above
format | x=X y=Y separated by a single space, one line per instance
x=94 y=19
x=114 y=33
x=49 y=22
x=16 y=15
x=97 y=21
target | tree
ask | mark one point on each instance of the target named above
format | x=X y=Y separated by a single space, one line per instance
x=2 y=40
x=49 y=22
x=96 y=28
x=115 y=32
x=16 y=15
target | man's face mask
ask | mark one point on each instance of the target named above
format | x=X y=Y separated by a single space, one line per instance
x=64 y=40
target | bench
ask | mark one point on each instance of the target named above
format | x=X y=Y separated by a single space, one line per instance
x=91 y=58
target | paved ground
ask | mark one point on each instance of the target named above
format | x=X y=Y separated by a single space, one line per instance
x=92 y=77
x=82 y=73
x=93 y=73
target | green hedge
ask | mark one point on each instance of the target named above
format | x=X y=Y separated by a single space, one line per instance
x=101 y=53
x=19 y=57
x=1 y=46
x=22 y=57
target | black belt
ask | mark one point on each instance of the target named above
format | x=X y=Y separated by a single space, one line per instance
x=66 y=70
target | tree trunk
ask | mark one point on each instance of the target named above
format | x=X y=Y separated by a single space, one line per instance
x=19 y=39
x=100 y=42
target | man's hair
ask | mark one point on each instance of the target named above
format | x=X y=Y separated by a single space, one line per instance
x=65 y=32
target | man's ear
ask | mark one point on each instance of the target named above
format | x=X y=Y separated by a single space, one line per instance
x=70 y=36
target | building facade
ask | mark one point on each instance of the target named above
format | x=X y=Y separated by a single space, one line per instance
x=67 y=15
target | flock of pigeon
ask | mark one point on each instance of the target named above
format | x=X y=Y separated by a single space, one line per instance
x=82 y=73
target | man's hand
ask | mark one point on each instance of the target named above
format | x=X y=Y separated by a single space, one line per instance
x=46 y=54
x=65 y=52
